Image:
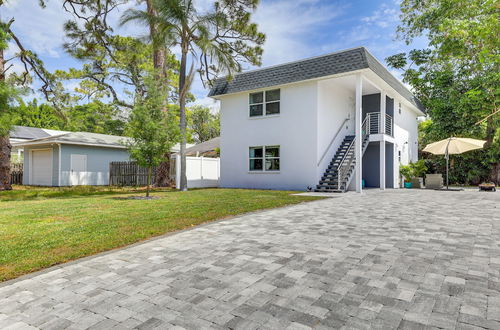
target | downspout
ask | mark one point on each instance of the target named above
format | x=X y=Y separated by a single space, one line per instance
x=59 y=166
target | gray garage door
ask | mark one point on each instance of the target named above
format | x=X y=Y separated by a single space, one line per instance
x=41 y=167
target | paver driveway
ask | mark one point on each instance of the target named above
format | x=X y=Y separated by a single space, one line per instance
x=407 y=259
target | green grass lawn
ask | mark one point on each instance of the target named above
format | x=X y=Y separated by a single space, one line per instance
x=41 y=227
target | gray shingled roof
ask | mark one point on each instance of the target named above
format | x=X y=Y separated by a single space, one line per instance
x=27 y=133
x=83 y=138
x=312 y=68
x=32 y=133
x=93 y=138
x=204 y=147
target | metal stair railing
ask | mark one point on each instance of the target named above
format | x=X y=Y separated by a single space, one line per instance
x=345 y=165
x=333 y=140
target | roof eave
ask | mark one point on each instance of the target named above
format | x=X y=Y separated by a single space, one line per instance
x=337 y=75
x=44 y=142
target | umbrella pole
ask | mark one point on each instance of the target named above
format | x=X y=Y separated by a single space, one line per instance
x=447 y=157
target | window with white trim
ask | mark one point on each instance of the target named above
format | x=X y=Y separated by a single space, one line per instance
x=265 y=159
x=265 y=103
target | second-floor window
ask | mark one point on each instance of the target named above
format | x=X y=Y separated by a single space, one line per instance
x=265 y=103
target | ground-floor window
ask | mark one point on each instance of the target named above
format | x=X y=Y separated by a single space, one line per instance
x=265 y=158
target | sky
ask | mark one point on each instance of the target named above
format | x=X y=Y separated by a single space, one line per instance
x=295 y=29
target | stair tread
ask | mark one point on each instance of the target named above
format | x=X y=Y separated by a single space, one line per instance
x=329 y=182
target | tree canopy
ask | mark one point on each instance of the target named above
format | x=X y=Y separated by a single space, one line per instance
x=203 y=125
x=457 y=77
x=153 y=130
x=216 y=41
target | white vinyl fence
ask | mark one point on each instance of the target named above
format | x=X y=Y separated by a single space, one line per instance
x=201 y=172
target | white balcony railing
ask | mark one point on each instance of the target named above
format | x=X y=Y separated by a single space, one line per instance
x=375 y=125
x=389 y=125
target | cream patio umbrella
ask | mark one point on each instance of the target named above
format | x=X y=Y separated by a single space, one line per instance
x=453 y=146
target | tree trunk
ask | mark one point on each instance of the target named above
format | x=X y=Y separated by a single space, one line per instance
x=5 y=147
x=495 y=173
x=149 y=181
x=182 y=114
x=160 y=66
x=490 y=134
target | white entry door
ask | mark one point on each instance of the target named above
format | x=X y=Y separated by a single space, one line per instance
x=41 y=167
x=78 y=173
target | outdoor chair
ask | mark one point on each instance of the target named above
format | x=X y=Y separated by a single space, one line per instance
x=434 y=181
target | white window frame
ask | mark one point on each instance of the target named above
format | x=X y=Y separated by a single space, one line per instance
x=264 y=158
x=264 y=104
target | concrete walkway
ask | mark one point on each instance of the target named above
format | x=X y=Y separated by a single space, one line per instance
x=384 y=260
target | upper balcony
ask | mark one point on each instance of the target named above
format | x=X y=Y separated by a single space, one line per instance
x=378 y=125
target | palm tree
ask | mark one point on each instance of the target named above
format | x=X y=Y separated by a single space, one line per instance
x=210 y=43
x=160 y=53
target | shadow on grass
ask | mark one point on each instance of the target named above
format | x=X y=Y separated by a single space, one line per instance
x=135 y=197
x=24 y=193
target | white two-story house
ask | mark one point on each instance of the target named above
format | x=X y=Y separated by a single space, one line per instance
x=330 y=123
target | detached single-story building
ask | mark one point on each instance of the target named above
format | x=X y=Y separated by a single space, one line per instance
x=20 y=134
x=71 y=158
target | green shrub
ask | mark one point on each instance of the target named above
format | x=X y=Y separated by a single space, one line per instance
x=413 y=170
x=406 y=171
x=419 y=168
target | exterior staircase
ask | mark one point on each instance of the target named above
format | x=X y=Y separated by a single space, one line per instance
x=339 y=173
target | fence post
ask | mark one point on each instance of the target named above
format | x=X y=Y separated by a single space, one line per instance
x=218 y=169
x=139 y=174
x=201 y=168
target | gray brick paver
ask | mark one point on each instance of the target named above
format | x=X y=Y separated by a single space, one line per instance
x=383 y=260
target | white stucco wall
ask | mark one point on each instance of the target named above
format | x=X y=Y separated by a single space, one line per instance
x=405 y=130
x=335 y=104
x=311 y=114
x=97 y=164
x=294 y=130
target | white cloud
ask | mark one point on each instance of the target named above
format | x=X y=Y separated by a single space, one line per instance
x=385 y=16
x=130 y=29
x=290 y=25
x=376 y=32
x=203 y=6
x=16 y=68
x=40 y=30
x=207 y=102
x=295 y=29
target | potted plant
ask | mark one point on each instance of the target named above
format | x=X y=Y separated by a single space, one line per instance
x=419 y=169
x=406 y=171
